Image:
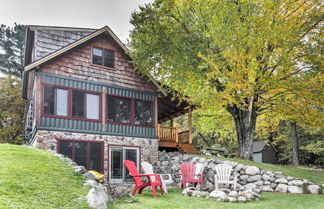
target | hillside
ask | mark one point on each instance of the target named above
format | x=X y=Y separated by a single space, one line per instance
x=33 y=178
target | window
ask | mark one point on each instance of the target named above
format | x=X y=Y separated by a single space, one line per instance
x=87 y=154
x=55 y=101
x=118 y=173
x=143 y=113
x=119 y=109
x=104 y=57
x=130 y=111
x=85 y=105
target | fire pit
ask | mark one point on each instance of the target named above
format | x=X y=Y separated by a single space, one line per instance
x=224 y=195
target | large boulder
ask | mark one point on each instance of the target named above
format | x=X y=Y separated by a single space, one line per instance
x=267 y=188
x=254 y=178
x=295 y=183
x=281 y=181
x=252 y=170
x=283 y=188
x=97 y=197
x=266 y=177
x=313 y=189
x=295 y=190
x=218 y=194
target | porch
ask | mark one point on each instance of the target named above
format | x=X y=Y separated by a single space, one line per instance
x=171 y=138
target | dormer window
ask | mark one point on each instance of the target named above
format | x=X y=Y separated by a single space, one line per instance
x=103 y=57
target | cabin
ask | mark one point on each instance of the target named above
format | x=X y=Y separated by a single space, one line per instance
x=86 y=101
x=264 y=152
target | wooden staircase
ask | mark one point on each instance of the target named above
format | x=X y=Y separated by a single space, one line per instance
x=188 y=148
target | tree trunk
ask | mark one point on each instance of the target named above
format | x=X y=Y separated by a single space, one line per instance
x=294 y=142
x=245 y=123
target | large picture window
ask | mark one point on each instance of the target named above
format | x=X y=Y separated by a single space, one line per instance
x=104 y=57
x=130 y=111
x=71 y=103
x=119 y=109
x=118 y=173
x=85 y=105
x=143 y=113
x=87 y=154
x=55 y=101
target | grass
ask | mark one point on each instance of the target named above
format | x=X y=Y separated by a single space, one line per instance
x=313 y=175
x=176 y=200
x=33 y=178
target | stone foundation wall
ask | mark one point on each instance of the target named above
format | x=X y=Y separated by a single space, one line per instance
x=148 y=147
x=248 y=176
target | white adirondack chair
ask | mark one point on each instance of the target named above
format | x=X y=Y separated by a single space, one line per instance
x=165 y=178
x=199 y=170
x=223 y=173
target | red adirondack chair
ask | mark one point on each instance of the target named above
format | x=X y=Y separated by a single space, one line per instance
x=153 y=179
x=188 y=175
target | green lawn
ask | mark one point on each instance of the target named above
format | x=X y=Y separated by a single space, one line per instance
x=176 y=200
x=33 y=178
x=314 y=175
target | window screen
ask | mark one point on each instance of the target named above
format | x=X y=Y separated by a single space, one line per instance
x=143 y=113
x=49 y=100
x=61 y=102
x=93 y=106
x=85 y=105
x=119 y=109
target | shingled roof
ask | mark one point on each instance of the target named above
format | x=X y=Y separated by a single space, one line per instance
x=258 y=146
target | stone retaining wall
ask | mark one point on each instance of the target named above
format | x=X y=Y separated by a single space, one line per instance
x=248 y=176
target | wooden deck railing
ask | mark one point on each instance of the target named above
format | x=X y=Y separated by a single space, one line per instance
x=184 y=137
x=168 y=133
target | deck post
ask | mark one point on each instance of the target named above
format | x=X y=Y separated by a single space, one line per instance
x=177 y=134
x=171 y=121
x=190 y=124
x=158 y=131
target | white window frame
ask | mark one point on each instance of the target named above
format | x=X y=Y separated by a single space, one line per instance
x=124 y=148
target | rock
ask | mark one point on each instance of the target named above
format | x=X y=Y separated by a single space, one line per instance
x=282 y=188
x=249 y=194
x=243 y=177
x=165 y=163
x=80 y=169
x=279 y=176
x=233 y=194
x=281 y=181
x=267 y=188
x=313 y=189
x=238 y=167
x=269 y=173
x=273 y=185
x=252 y=170
x=89 y=176
x=267 y=183
x=218 y=194
x=97 y=198
x=250 y=186
x=241 y=199
x=289 y=178
x=188 y=191
x=266 y=177
x=295 y=190
x=295 y=183
x=232 y=199
x=258 y=183
x=254 y=178
x=272 y=179
x=91 y=183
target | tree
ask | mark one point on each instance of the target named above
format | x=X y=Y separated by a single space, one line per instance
x=11 y=111
x=239 y=54
x=12 y=43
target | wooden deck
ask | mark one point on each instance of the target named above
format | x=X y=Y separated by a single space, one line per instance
x=169 y=137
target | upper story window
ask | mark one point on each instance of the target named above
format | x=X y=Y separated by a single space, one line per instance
x=130 y=111
x=119 y=109
x=85 y=105
x=59 y=101
x=103 y=57
x=55 y=101
x=143 y=112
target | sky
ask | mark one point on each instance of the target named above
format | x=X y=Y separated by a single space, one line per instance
x=74 y=13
